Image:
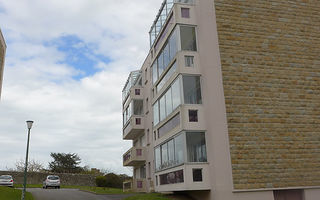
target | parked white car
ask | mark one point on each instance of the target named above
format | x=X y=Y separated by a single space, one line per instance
x=51 y=181
x=6 y=180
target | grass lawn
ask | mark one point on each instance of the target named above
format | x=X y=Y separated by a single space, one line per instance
x=151 y=196
x=7 y=193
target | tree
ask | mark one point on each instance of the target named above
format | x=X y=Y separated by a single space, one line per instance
x=33 y=166
x=65 y=163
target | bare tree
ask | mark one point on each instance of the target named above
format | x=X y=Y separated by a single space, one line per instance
x=33 y=165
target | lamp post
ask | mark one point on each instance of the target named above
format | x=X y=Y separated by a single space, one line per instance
x=29 y=124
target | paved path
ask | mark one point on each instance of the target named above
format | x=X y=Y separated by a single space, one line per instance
x=69 y=194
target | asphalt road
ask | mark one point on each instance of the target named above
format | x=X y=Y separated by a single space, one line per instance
x=70 y=194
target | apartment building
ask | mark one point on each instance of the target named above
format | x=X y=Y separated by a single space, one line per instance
x=2 y=56
x=226 y=105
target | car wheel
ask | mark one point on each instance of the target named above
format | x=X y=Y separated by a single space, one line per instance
x=58 y=187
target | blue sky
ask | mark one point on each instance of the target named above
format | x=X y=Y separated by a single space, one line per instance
x=79 y=54
x=66 y=64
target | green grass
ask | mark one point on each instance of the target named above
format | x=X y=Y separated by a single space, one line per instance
x=151 y=196
x=7 y=193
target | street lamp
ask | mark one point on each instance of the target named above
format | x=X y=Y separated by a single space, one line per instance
x=29 y=124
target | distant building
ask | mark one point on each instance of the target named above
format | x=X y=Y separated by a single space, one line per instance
x=226 y=105
x=2 y=56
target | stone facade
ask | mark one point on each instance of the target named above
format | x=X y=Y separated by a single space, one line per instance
x=66 y=179
x=270 y=59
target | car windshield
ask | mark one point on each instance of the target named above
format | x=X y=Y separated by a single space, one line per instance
x=53 y=177
x=5 y=177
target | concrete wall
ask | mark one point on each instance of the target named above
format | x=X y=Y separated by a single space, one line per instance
x=66 y=179
x=271 y=77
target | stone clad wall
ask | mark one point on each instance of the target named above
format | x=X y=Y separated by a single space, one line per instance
x=270 y=57
x=38 y=178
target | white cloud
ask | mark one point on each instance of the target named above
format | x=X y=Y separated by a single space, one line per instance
x=81 y=116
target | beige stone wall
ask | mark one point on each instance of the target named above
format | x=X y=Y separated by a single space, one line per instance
x=270 y=57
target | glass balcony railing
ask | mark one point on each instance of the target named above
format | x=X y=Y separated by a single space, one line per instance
x=131 y=81
x=162 y=16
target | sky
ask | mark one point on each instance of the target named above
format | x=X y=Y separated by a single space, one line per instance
x=66 y=64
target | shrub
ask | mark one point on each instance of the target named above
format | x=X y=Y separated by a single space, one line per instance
x=113 y=180
x=101 y=181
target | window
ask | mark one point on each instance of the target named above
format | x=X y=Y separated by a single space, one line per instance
x=137 y=91
x=188 y=38
x=176 y=101
x=154 y=68
x=147 y=104
x=185 y=12
x=288 y=194
x=188 y=61
x=156 y=113
x=193 y=115
x=137 y=107
x=171 y=124
x=172 y=177
x=138 y=121
x=164 y=155
x=192 y=90
x=143 y=171
x=197 y=175
x=165 y=57
x=169 y=101
x=162 y=108
x=179 y=148
x=157 y=158
x=196 y=147
x=139 y=152
x=139 y=184
x=166 y=77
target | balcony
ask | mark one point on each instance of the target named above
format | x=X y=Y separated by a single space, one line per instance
x=134 y=79
x=189 y=176
x=135 y=93
x=134 y=127
x=134 y=157
x=135 y=185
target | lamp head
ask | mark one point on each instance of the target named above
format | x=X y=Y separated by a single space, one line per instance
x=29 y=123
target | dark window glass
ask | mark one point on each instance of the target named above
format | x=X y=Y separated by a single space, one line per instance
x=197 y=175
x=188 y=61
x=137 y=91
x=172 y=177
x=188 y=38
x=185 y=12
x=196 y=147
x=288 y=194
x=193 y=115
x=137 y=107
x=192 y=90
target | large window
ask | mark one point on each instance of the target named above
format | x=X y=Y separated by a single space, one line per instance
x=192 y=90
x=188 y=43
x=156 y=113
x=188 y=38
x=172 y=177
x=169 y=101
x=196 y=147
x=167 y=76
x=172 y=152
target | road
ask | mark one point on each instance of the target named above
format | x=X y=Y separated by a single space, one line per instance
x=69 y=194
